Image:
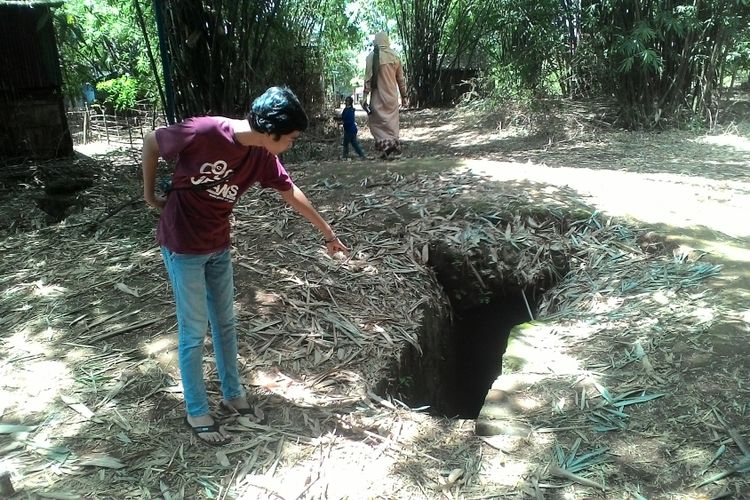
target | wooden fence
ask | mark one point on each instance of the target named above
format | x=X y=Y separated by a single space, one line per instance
x=127 y=127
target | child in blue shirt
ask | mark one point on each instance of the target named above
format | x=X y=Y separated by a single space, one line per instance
x=350 y=129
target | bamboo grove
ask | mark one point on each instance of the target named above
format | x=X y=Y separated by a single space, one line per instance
x=662 y=61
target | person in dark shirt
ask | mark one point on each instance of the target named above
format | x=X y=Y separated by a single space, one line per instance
x=350 y=130
x=217 y=160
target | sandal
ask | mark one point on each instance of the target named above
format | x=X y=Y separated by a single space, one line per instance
x=205 y=429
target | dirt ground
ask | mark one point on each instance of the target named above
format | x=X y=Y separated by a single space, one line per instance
x=652 y=403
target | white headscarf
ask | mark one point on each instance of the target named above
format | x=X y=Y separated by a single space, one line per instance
x=386 y=55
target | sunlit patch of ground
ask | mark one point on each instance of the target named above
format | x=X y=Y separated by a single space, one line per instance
x=673 y=200
x=737 y=142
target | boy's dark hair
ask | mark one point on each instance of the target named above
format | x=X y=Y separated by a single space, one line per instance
x=277 y=112
x=349 y=100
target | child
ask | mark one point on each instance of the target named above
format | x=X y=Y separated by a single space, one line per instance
x=350 y=129
x=217 y=160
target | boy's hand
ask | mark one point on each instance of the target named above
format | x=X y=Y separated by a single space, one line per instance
x=334 y=245
x=157 y=202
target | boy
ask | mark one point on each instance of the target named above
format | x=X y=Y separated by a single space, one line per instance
x=350 y=129
x=217 y=160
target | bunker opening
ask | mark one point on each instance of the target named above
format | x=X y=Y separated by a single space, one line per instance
x=63 y=196
x=478 y=340
x=460 y=359
x=461 y=346
x=59 y=188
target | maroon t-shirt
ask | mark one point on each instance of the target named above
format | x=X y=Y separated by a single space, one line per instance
x=195 y=219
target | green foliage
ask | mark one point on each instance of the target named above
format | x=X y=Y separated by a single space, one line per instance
x=225 y=53
x=121 y=92
x=340 y=40
x=101 y=41
x=439 y=35
x=499 y=85
x=663 y=61
x=529 y=41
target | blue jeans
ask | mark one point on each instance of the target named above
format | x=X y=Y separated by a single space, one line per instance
x=351 y=138
x=203 y=288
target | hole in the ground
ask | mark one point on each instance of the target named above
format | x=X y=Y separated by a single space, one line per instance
x=61 y=195
x=479 y=338
x=458 y=360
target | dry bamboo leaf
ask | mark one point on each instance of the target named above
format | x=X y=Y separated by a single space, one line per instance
x=221 y=458
x=58 y=495
x=125 y=288
x=13 y=428
x=741 y=443
x=80 y=408
x=455 y=475
x=105 y=318
x=564 y=474
x=125 y=329
x=100 y=460
x=264 y=326
x=165 y=490
x=425 y=253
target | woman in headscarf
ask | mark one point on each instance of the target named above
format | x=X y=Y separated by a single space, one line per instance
x=384 y=79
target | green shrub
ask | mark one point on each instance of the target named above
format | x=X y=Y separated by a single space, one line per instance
x=120 y=93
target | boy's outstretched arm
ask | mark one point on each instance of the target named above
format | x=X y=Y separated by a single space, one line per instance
x=150 y=160
x=296 y=199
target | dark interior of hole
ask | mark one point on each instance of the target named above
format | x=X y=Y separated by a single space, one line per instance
x=479 y=338
x=61 y=192
x=458 y=363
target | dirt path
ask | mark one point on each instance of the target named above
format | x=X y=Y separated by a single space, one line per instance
x=88 y=371
x=692 y=189
x=695 y=191
x=702 y=213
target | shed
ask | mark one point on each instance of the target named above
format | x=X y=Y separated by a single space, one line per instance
x=32 y=113
x=454 y=77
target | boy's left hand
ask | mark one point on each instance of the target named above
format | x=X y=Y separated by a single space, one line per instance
x=335 y=245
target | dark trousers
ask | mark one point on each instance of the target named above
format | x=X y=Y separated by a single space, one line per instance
x=351 y=138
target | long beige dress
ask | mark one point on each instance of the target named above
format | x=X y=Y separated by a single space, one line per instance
x=384 y=100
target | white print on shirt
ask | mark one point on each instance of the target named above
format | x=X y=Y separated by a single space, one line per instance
x=215 y=173
x=224 y=192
